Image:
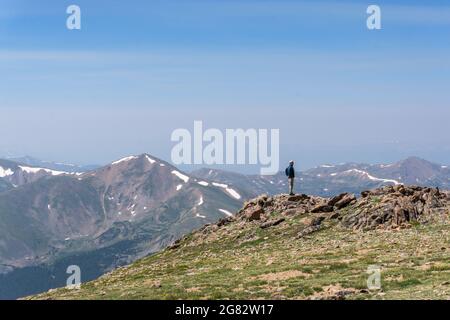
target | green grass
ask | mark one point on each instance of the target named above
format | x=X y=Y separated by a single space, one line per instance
x=242 y=261
x=375 y=199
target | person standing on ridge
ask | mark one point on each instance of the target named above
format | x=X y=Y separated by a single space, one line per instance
x=290 y=173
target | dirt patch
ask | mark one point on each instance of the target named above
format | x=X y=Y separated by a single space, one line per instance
x=152 y=283
x=284 y=275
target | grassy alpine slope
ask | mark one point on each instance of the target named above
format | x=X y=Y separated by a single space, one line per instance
x=299 y=247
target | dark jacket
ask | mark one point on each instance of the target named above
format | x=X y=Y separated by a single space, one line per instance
x=290 y=172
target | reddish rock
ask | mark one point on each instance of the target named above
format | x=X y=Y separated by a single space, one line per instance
x=345 y=201
x=322 y=208
x=254 y=214
x=271 y=223
x=336 y=199
x=298 y=197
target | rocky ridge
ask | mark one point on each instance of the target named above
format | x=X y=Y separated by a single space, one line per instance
x=386 y=207
x=299 y=247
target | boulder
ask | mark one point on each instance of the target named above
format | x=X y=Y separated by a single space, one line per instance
x=336 y=199
x=345 y=201
x=271 y=223
x=254 y=214
x=298 y=197
x=224 y=221
x=365 y=193
x=317 y=221
x=307 y=231
x=322 y=208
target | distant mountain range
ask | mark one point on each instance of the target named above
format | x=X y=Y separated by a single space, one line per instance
x=58 y=166
x=328 y=179
x=54 y=215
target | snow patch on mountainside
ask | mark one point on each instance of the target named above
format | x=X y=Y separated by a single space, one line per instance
x=232 y=192
x=220 y=185
x=200 y=202
x=125 y=159
x=150 y=159
x=181 y=176
x=179 y=187
x=203 y=183
x=228 y=213
x=5 y=172
x=36 y=170
x=364 y=173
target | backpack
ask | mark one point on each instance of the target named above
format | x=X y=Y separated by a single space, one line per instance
x=287 y=171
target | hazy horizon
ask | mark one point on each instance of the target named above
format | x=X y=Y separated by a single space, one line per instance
x=245 y=169
x=337 y=91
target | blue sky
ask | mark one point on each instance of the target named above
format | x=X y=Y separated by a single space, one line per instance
x=137 y=70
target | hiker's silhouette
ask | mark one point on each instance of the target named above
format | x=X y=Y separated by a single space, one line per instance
x=290 y=173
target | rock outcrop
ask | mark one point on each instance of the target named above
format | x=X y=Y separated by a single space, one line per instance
x=277 y=248
x=396 y=206
x=286 y=205
x=384 y=207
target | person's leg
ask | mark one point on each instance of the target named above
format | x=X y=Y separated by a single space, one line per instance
x=291 y=185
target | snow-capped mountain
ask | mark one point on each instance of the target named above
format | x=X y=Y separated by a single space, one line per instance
x=17 y=174
x=134 y=206
x=57 y=166
x=329 y=179
x=110 y=216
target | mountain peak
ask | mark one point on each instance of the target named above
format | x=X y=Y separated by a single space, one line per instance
x=143 y=156
x=124 y=159
x=414 y=159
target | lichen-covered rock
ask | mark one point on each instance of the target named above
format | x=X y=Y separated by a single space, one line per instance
x=397 y=205
x=394 y=206
x=323 y=207
x=345 y=201
x=272 y=223
x=254 y=214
